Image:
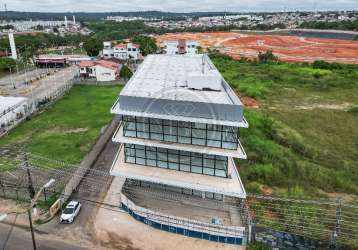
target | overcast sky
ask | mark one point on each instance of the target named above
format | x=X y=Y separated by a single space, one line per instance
x=177 y=5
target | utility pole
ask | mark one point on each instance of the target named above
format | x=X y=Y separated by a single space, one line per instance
x=12 y=81
x=29 y=178
x=31 y=229
x=32 y=196
x=337 y=226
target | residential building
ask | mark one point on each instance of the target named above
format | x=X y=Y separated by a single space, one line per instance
x=181 y=46
x=121 y=51
x=179 y=135
x=107 y=50
x=101 y=70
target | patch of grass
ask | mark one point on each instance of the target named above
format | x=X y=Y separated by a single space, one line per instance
x=67 y=130
x=303 y=140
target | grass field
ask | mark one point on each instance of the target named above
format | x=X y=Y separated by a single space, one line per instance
x=67 y=130
x=303 y=140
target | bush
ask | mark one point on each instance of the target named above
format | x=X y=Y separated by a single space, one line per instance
x=353 y=110
x=125 y=73
x=7 y=64
x=93 y=46
x=255 y=245
x=268 y=56
x=147 y=44
x=326 y=65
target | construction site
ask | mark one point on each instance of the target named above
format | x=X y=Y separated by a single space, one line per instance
x=286 y=48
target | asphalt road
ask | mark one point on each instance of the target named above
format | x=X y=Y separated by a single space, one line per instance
x=40 y=88
x=20 y=239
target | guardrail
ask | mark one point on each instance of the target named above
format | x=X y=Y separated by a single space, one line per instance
x=183 y=226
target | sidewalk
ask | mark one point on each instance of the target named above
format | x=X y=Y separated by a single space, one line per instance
x=116 y=229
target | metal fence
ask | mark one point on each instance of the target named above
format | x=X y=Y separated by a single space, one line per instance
x=278 y=221
x=284 y=222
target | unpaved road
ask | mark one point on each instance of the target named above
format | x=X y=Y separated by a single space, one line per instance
x=20 y=239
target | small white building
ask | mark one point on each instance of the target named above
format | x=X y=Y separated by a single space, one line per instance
x=121 y=51
x=181 y=47
x=101 y=70
x=12 y=111
x=107 y=50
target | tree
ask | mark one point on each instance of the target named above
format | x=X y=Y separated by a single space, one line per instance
x=147 y=44
x=93 y=46
x=7 y=63
x=125 y=72
x=268 y=56
x=355 y=38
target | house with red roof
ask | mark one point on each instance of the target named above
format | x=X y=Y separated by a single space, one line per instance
x=101 y=70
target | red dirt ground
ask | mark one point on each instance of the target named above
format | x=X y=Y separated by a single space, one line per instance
x=287 y=48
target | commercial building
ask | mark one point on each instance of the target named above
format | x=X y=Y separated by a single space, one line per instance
x=181 y=46
x=101 y=70
x=179 y=135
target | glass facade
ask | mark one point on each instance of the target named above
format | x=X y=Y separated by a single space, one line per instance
x=181 y=132
x=177 y=160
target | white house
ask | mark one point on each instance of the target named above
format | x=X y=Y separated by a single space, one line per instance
x=107 y=50
x=121 y=51
x=181 y=47
x=102 y=70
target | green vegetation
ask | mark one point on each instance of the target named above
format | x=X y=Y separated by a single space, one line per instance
x=255 y=245
x=303 y=139
x=108 y=30
x=28 y=45
x=267 y=56
x=93 y=46
x=125 y=73
x=355 y=38
x=147 y=44
x=338 y=25
x=67 y=130
x=7 y=64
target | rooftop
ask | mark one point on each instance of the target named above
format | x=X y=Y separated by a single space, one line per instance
x=165 y=77
x=104 y=63
x=161 y=87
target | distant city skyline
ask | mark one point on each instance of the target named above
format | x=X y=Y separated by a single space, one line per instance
x=178 y=5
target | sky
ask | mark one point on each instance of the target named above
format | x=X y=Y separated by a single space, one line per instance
x=177 y=5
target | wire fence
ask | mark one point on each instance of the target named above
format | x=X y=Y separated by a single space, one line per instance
x=276 y=221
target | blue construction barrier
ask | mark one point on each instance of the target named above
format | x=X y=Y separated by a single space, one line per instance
x=184 y=231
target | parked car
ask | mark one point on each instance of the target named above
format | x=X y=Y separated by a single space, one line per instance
x=70 y=212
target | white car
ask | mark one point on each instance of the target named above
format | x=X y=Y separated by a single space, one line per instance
x=70 y=212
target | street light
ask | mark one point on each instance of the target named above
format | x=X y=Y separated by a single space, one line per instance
x=49 y=183
x=32 y=206
x=3 y=217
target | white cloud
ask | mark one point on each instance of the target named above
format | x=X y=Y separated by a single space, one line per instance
x=178 y=5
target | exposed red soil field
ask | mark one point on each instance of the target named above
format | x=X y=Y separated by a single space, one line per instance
x=287 y=48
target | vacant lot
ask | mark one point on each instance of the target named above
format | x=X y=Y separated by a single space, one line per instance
x=287 y=48
x=303 y=140
x=67 y=130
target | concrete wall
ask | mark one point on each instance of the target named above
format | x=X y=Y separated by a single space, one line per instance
x=104 y=74
x=88 y=161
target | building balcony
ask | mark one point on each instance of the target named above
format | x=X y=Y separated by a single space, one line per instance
x=230 y=186
x=120 y=138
